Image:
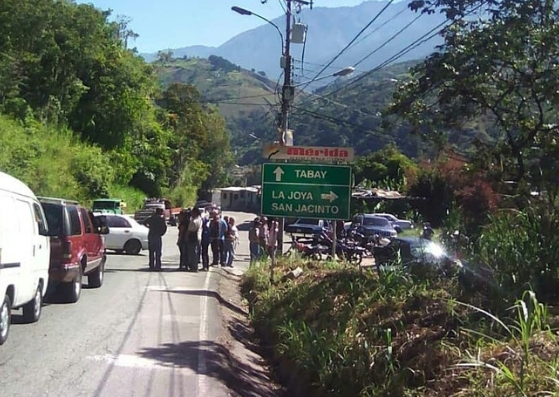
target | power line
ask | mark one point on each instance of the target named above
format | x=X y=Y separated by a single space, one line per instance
x=350 y=43
x=389 y=40
x=382 y=25
x=424 y=38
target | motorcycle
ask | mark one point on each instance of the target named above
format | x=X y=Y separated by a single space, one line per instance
x=311 y=250
x=350 y=252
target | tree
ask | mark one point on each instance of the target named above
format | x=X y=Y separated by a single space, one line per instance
x=386 y=168
x=503 y=67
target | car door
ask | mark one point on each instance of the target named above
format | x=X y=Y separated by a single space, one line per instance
x=93 y=242
x=26 y=247
x=41 y=244
x=119 y=232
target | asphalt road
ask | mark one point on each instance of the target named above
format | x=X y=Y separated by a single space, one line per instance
x=141 y=334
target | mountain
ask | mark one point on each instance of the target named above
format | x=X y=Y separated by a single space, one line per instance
x=329 y=31
x=221 y=83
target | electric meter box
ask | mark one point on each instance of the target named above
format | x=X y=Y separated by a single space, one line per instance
x=298 y=33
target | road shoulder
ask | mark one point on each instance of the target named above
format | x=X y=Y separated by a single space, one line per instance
x=253 y=376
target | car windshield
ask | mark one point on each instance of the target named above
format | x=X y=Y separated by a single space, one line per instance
x=308 y=221
x=422 y=248
x=375 y=221
x=105 y=204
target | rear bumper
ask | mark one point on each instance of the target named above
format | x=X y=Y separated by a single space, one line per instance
x=64 y=273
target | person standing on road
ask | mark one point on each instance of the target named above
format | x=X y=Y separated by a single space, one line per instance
x=263 y=237
x=217 y=236
x=157 y=229
x=184 y=218
x=230 y=242
x=193 y=239
x=254 y=240
x=272 y=241
x=205 y=243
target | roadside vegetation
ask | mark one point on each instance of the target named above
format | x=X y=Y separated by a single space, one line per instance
x=490 y=329
x=82 y=116
x=336 y=331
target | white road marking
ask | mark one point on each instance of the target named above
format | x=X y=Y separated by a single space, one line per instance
x=203 y=384
x=132 y=361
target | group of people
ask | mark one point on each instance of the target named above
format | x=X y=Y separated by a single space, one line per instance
x=263 y=238
x=197 y=234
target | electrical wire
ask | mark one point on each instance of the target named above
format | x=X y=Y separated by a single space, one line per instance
x=424 y=38
x=388 y=41
x=382 y=25
x=350 y=43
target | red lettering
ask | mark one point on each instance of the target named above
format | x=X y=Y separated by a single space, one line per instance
x=344 y=153
x=295 y=151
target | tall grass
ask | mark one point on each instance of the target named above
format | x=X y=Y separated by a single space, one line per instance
x=349 y=334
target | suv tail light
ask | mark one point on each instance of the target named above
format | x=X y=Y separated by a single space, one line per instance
x=67 y=250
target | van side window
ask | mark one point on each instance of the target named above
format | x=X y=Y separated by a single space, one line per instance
x=40 y=219
x=25 y=218
x=86 y=220
x=73 y=221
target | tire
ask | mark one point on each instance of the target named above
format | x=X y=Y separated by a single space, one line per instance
x=95 y=278
x=355 y=258
x=32 y=310
x=5 y=318
x=71 y=291
x=316 y=256
x=133 y=247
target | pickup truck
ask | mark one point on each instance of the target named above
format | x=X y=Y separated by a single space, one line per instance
x=108 y=206
x=149 y=208
x=308 y=226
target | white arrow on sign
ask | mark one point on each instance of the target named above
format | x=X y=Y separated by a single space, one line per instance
x=278 y=172
x=329 y=196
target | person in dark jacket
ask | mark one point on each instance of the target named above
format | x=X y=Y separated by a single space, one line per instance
x=184 y=218
x=205 y=244
x=157 y=228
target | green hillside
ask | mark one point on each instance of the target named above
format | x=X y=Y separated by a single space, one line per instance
x=232 y=89
x=344 y=113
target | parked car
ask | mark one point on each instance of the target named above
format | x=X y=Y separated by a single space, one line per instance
x=108 y=206
x=77 y=247
x=305 y=226
x=151 y=204
x=371 y=224
x=24 y=249
x=413 y=251
x=125 y=234
x=399 y=224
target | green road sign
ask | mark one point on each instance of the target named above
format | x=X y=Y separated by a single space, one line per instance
x=306 y=190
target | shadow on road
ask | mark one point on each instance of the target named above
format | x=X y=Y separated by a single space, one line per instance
x=241 y=378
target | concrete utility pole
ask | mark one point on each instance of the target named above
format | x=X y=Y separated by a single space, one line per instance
x=288 y=91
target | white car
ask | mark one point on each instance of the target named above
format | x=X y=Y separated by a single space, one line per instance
x=397 y=223
x=125 y=235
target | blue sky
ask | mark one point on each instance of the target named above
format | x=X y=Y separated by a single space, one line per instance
x=180 y=23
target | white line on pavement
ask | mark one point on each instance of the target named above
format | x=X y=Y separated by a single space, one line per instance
x=133 y=361
x=203 y=386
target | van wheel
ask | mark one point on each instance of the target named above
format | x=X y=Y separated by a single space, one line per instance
x=133 y=247
x=71 y=291
x=95 y=279
x=5 y=318
x=32 y=310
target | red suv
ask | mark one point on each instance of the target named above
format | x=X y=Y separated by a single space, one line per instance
x=77 y=247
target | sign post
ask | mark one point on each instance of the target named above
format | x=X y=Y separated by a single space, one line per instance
x=306 y=191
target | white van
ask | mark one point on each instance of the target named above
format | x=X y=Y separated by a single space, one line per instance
x=24 y=253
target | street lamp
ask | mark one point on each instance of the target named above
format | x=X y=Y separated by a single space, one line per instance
x=243 y=11
x=340 y=73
